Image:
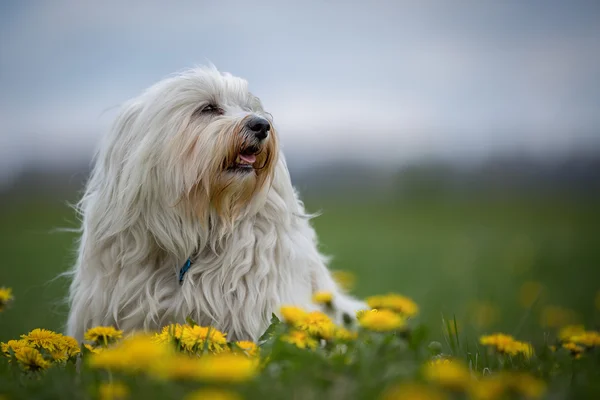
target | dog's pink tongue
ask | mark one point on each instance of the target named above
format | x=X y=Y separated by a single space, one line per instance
x=249 y=158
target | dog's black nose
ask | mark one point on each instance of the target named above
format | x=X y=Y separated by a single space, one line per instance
x=259 y=126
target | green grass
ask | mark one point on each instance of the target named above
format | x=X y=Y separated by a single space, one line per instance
x=448 y=254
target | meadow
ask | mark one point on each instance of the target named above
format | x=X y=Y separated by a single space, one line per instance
x=474 y=265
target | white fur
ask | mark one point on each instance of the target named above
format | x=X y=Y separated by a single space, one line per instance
x=140 y=222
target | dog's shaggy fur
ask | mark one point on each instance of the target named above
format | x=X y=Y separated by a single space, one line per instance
x=168 y=185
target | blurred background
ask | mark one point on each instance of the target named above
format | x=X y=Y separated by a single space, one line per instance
x=452 y=147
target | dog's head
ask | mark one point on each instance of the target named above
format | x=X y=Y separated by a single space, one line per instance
x=205 y=139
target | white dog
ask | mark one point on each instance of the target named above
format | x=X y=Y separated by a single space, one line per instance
x=190 y=211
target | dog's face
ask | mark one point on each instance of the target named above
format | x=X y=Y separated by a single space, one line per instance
x=221 y=147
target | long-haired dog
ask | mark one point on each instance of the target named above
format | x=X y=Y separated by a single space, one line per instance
x=190 y=212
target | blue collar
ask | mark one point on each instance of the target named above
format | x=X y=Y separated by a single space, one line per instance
x=184 y=269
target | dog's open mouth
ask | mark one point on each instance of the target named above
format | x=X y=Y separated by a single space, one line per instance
x=245 y=159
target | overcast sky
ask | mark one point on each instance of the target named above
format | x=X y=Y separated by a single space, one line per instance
x=367 y=80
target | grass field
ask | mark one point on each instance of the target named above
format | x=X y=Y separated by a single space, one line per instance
x=460 y=258
x=521 y=265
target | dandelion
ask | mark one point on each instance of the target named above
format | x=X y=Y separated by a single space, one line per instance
x=13 y=345
x=525 y=385
x=213 y=394
x=318 y=324
x=103 y=335
x=194 y=338
x=575 y=349
x=92 y=349
x=136 y=353
x=31 y=359
x=344 y=335
x=169 y=333
x=506 y=344
x=70 y=345
x=300 y=339
x=112 y=391
x=516 y=384
x=291 y=314
x=381 y=321
x=489 y=388
x=565 y=333
x=588 y=339
x=5 y=297
x=66 y=347
x=394 y=302
x=43 y=338
x=322 y=297
x=412 y=391
x=226 y=368
x=449 y=374
x=250 y=348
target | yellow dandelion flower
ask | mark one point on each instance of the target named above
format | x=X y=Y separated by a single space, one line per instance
x=5 y=297
x=213 y=394
x=69 y=345
x=169 y=333
x=177 y=366
x=318 y=324
x=440 y=360
x=344 y=279
x=195 y=338
x=31 y=359
x=59 y=356
x=226 y=367
x=489 y=388
x=565 y=333
x=112 y=391
x=103 y=335
x=43 y=338
x=394 y=302
x=136 y=353
x=587 y=339
x=250 y=348
x=344 y=334
x=292 y=314
x=92 y=349
x=447 y=373
x=14 y=345
x=496 y=339
x=300 y=339
x=573 y=348
x=382 y=321
x=525 y=385
x=66 y=347
x=322 y=297
x=506 y=344
x=412 y=391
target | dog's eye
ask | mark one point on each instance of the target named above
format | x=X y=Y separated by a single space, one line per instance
x=212 y=109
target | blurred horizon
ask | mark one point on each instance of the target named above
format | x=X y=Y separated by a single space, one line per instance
x=384 y=84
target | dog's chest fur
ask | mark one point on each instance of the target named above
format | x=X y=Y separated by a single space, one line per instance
x=235 y=286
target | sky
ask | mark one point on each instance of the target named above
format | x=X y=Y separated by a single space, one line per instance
x=373 y=81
